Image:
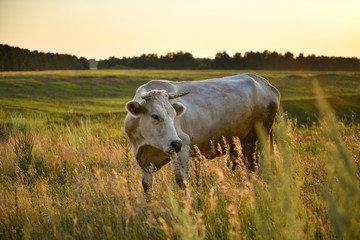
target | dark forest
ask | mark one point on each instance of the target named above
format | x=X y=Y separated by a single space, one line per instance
x=18 y=59
x=250 y=60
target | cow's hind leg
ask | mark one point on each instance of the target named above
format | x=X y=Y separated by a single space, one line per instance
x=147 y=180
x=248 y=145
x=251 y=143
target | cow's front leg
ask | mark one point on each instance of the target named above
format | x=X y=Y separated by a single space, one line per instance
x=147 y=180
x=180 y=161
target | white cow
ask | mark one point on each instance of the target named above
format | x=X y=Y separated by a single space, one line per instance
x=165 y=119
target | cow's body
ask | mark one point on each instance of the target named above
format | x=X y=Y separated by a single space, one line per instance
x=228 y=107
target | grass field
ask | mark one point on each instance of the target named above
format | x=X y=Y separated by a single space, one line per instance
x=95 y=93
x=66 y=171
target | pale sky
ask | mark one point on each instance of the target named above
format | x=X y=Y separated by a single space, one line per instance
x=100 y=29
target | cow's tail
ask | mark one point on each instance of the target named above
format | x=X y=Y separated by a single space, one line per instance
x=269 y=123
x=271 y=141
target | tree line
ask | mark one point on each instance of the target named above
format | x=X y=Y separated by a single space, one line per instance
x=265 y=60
x=18 y=59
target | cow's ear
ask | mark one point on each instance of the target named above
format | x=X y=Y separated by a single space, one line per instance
x=179 y=108
x=134 y=108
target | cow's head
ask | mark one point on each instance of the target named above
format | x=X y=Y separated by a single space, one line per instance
x=156 y=117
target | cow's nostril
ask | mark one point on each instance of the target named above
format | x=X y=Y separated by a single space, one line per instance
x=176 y=145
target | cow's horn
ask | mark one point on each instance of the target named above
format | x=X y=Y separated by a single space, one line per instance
x=176 y=95
x=145 y=96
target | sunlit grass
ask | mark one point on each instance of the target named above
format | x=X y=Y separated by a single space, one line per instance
x=82 y=181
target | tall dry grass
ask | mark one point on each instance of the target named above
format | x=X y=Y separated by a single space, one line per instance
x=82 y=181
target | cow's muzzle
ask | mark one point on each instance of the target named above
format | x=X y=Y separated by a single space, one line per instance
x=176 y=145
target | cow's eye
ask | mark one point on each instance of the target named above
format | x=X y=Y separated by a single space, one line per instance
x=155 y=117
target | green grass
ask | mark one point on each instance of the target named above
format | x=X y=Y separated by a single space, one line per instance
x=101 y=92
x=67 y=172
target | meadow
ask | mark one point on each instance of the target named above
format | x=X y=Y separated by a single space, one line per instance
x=67 y=172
